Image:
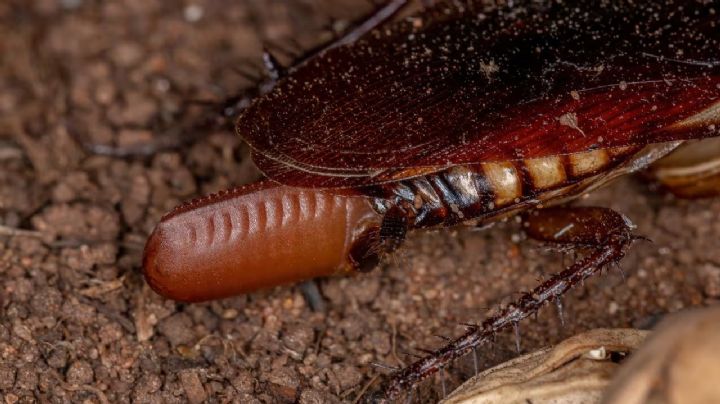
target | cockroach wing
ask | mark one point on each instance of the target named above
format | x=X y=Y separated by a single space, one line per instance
x=460 y=83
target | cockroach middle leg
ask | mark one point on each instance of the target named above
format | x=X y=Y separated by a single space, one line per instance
x=221 y=115
x=605 y=234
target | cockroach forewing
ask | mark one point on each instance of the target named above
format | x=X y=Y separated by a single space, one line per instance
x=463 y=83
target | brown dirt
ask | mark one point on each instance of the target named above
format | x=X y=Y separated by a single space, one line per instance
x=77 y=322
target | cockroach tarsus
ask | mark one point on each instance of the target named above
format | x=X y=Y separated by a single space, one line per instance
x=462 y=113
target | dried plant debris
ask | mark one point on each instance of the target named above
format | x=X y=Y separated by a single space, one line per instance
x=576 y=370
x=679 y=362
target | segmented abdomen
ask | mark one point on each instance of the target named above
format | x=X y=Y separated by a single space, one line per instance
x=466 y=192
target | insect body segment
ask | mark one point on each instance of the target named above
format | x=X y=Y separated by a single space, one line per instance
x=487 y=190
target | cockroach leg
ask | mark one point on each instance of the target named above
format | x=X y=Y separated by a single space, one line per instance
x=576 y=227
x=604 y=233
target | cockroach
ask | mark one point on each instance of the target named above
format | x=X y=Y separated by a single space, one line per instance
x=464 y=113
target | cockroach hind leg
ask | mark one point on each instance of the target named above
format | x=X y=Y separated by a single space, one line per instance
x=576 y=226
x=605 y=230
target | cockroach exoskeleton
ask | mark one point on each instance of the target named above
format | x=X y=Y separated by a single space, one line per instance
x=464 y=113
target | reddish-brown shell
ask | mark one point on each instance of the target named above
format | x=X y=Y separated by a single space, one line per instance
x=464 y=83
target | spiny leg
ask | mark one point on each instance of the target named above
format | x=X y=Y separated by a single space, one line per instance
x=573 y=228
x=606 y=234
x=221 y=115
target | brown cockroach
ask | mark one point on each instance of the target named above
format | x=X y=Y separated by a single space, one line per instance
x=464 y=113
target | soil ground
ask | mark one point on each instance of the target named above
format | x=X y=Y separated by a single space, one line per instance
x=78 y=323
